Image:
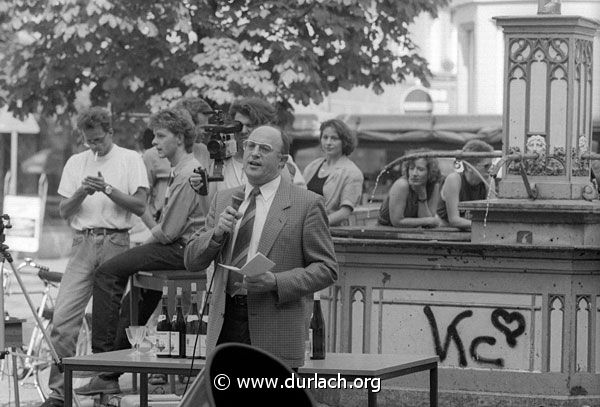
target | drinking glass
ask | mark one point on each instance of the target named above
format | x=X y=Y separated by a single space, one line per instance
x=136 y=335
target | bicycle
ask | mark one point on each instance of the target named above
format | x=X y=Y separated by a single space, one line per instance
x=34 y=362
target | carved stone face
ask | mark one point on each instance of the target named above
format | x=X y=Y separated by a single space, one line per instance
x=536 y=144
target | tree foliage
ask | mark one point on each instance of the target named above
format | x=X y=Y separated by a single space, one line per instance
x=142 y=52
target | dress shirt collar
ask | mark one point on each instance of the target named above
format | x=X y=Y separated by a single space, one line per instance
x=267 y=190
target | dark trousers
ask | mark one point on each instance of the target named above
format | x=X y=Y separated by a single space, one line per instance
x=110 y=315
x=235 y=323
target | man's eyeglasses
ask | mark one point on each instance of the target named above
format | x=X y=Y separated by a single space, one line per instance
x=263 y=148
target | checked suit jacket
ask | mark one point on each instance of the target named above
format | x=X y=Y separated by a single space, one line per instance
x=296 y=238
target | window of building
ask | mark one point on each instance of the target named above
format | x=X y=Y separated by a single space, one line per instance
x=418 y=101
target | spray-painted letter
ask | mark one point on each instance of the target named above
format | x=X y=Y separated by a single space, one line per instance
x=451 y=334
x=490 y=340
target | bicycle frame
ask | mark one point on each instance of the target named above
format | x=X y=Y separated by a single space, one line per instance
x=31 y=360
x=34 y=361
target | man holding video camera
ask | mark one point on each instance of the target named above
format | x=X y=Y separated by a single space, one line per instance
x=251 y=113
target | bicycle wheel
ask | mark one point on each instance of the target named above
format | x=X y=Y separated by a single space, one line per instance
x=83 y=347
x=29 y=361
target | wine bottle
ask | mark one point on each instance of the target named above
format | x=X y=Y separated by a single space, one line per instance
x=317 y=329
x=192 y=327
x=163 y=329
x=308 y=344
x=204 y=327
x=178 y=329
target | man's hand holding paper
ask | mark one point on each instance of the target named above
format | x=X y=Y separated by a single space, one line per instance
x=257 y=274
x=264 y=282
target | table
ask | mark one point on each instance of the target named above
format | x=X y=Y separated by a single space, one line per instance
x=368 y=365
x=125 y=361
x=348 y=365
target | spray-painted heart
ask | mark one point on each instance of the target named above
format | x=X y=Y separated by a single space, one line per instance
x=508 y=318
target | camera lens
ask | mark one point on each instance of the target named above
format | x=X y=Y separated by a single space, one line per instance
x=214 y=146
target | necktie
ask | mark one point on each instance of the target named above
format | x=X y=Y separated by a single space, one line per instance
x=239 y=254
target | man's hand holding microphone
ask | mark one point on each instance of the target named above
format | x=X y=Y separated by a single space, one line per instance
x=229 y=217
x=225 y=226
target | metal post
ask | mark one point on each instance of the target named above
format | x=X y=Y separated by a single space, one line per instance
x=433 y=386
x=14 y=158
x=2 y=347
x=15 y=376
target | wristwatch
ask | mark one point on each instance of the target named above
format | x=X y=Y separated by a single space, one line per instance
x=108 y=189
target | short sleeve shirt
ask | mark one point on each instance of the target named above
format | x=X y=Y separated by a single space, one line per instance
x=121 y=168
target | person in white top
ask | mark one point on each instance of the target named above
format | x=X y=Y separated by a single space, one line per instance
x=101 y=188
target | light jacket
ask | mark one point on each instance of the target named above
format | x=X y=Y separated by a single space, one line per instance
x=343 y=186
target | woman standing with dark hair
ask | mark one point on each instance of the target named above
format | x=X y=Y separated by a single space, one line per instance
x=335 y=176
x=413 y=198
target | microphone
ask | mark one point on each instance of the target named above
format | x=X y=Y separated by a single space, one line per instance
x=236 y=201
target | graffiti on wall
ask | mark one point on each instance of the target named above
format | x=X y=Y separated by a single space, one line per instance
x=501 y=319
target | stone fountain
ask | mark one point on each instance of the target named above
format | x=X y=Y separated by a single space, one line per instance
x=547 y=110
x=511 y=308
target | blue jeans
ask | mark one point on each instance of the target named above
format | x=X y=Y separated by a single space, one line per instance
x=87 y=253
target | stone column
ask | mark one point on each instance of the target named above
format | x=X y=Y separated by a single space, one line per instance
x=548 y=111
x=548 y=101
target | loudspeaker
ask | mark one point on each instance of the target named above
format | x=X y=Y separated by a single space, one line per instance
x=219 y=384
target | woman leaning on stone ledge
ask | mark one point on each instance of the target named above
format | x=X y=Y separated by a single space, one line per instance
x=413 y=198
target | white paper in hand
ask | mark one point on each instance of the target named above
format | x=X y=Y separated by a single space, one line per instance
x=258 y=264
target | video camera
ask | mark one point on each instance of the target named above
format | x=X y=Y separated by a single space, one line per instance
x=221 y=141
x=221 y=145
x=4 y=224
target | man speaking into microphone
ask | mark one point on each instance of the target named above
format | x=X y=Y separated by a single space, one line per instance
x=285 y=223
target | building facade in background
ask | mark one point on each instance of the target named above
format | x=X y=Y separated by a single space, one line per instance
x=465 y=50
